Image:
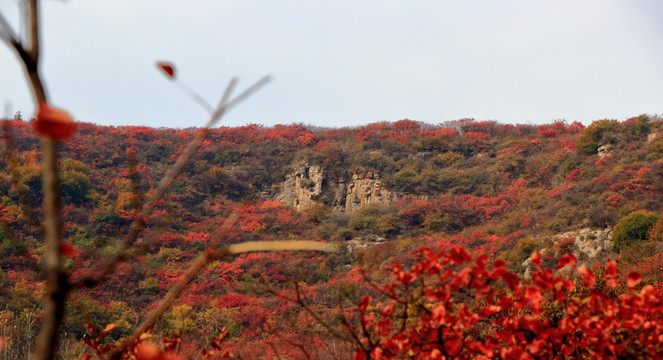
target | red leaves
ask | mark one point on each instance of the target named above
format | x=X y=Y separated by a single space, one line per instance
x=633 y=279
x=611 y=275
x=67 y=249
x=566 y=260
x=97 y=343
x=439 y=314
x=402 y=276
x=360 y=355
x=459 y=255
x=53 y=123
x=216 y=351
x=490 y=310
x=468 y=314
x=536 y=259
x=363 y=305
x=387 y=310
x=107 y=330
x=167 y=68
x=588 y=277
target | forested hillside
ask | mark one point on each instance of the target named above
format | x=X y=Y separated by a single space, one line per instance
x=383 y=192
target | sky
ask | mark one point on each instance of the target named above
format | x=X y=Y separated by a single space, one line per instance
x=346 y=62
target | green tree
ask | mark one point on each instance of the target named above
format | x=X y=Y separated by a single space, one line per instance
x=594 y=135
x=75 y=187
x=632 y=228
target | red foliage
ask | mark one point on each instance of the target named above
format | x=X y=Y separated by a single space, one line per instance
x=444 y=133
x=449 y=306
x=575 y=174
x=477 y=139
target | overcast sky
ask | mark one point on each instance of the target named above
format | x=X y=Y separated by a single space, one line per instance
x=347 y=62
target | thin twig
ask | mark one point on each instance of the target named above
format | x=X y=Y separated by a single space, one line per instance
x=6 y=32
x=299 y=301
x=292 y=245
x=101 y=272
x=203 y=259
x=373 y=285
x=56 y=281
x=298 y=345
x=194 y=95
x=354 y=336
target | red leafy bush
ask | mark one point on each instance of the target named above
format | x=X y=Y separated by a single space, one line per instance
x=450 y=306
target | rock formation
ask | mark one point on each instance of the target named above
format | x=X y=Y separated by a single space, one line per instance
x=652 y=136
x=303 y=187
x=365 y=188
x=589 y=241
x=307 y=185
x=604 y=150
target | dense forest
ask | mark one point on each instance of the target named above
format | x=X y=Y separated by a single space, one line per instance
x=384 y=192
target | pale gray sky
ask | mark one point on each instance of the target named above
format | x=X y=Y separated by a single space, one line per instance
x=348 y=62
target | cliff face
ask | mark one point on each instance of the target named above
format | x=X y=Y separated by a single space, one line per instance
x=365 y=188
x=308 y=184
x=303 y=187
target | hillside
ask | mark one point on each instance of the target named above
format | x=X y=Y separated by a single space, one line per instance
x=383 y=191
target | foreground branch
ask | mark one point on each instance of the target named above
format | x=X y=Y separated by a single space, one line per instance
x=98 y=274
x=56 y=281
x=203 y=260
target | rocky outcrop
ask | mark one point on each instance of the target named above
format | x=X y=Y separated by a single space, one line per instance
x=306 y=186
x=588 y=241
x=604 y=150
x=651 y=137
x=303 y=187
x=365 y=188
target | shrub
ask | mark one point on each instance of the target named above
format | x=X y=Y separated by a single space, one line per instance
x=516 y=256
x=464 y=308
x=632 y=228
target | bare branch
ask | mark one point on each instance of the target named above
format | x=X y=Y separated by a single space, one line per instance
x=33 y=29
x=197 y=98
x=223 y=107
x=226 y=96
x=6 y=32
x=58 y=285
x=291 y=245
x=300 y=301
x=56 y=280
x=29 y=56
x=99 y=273
x=298 y=345
x=203 y=260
